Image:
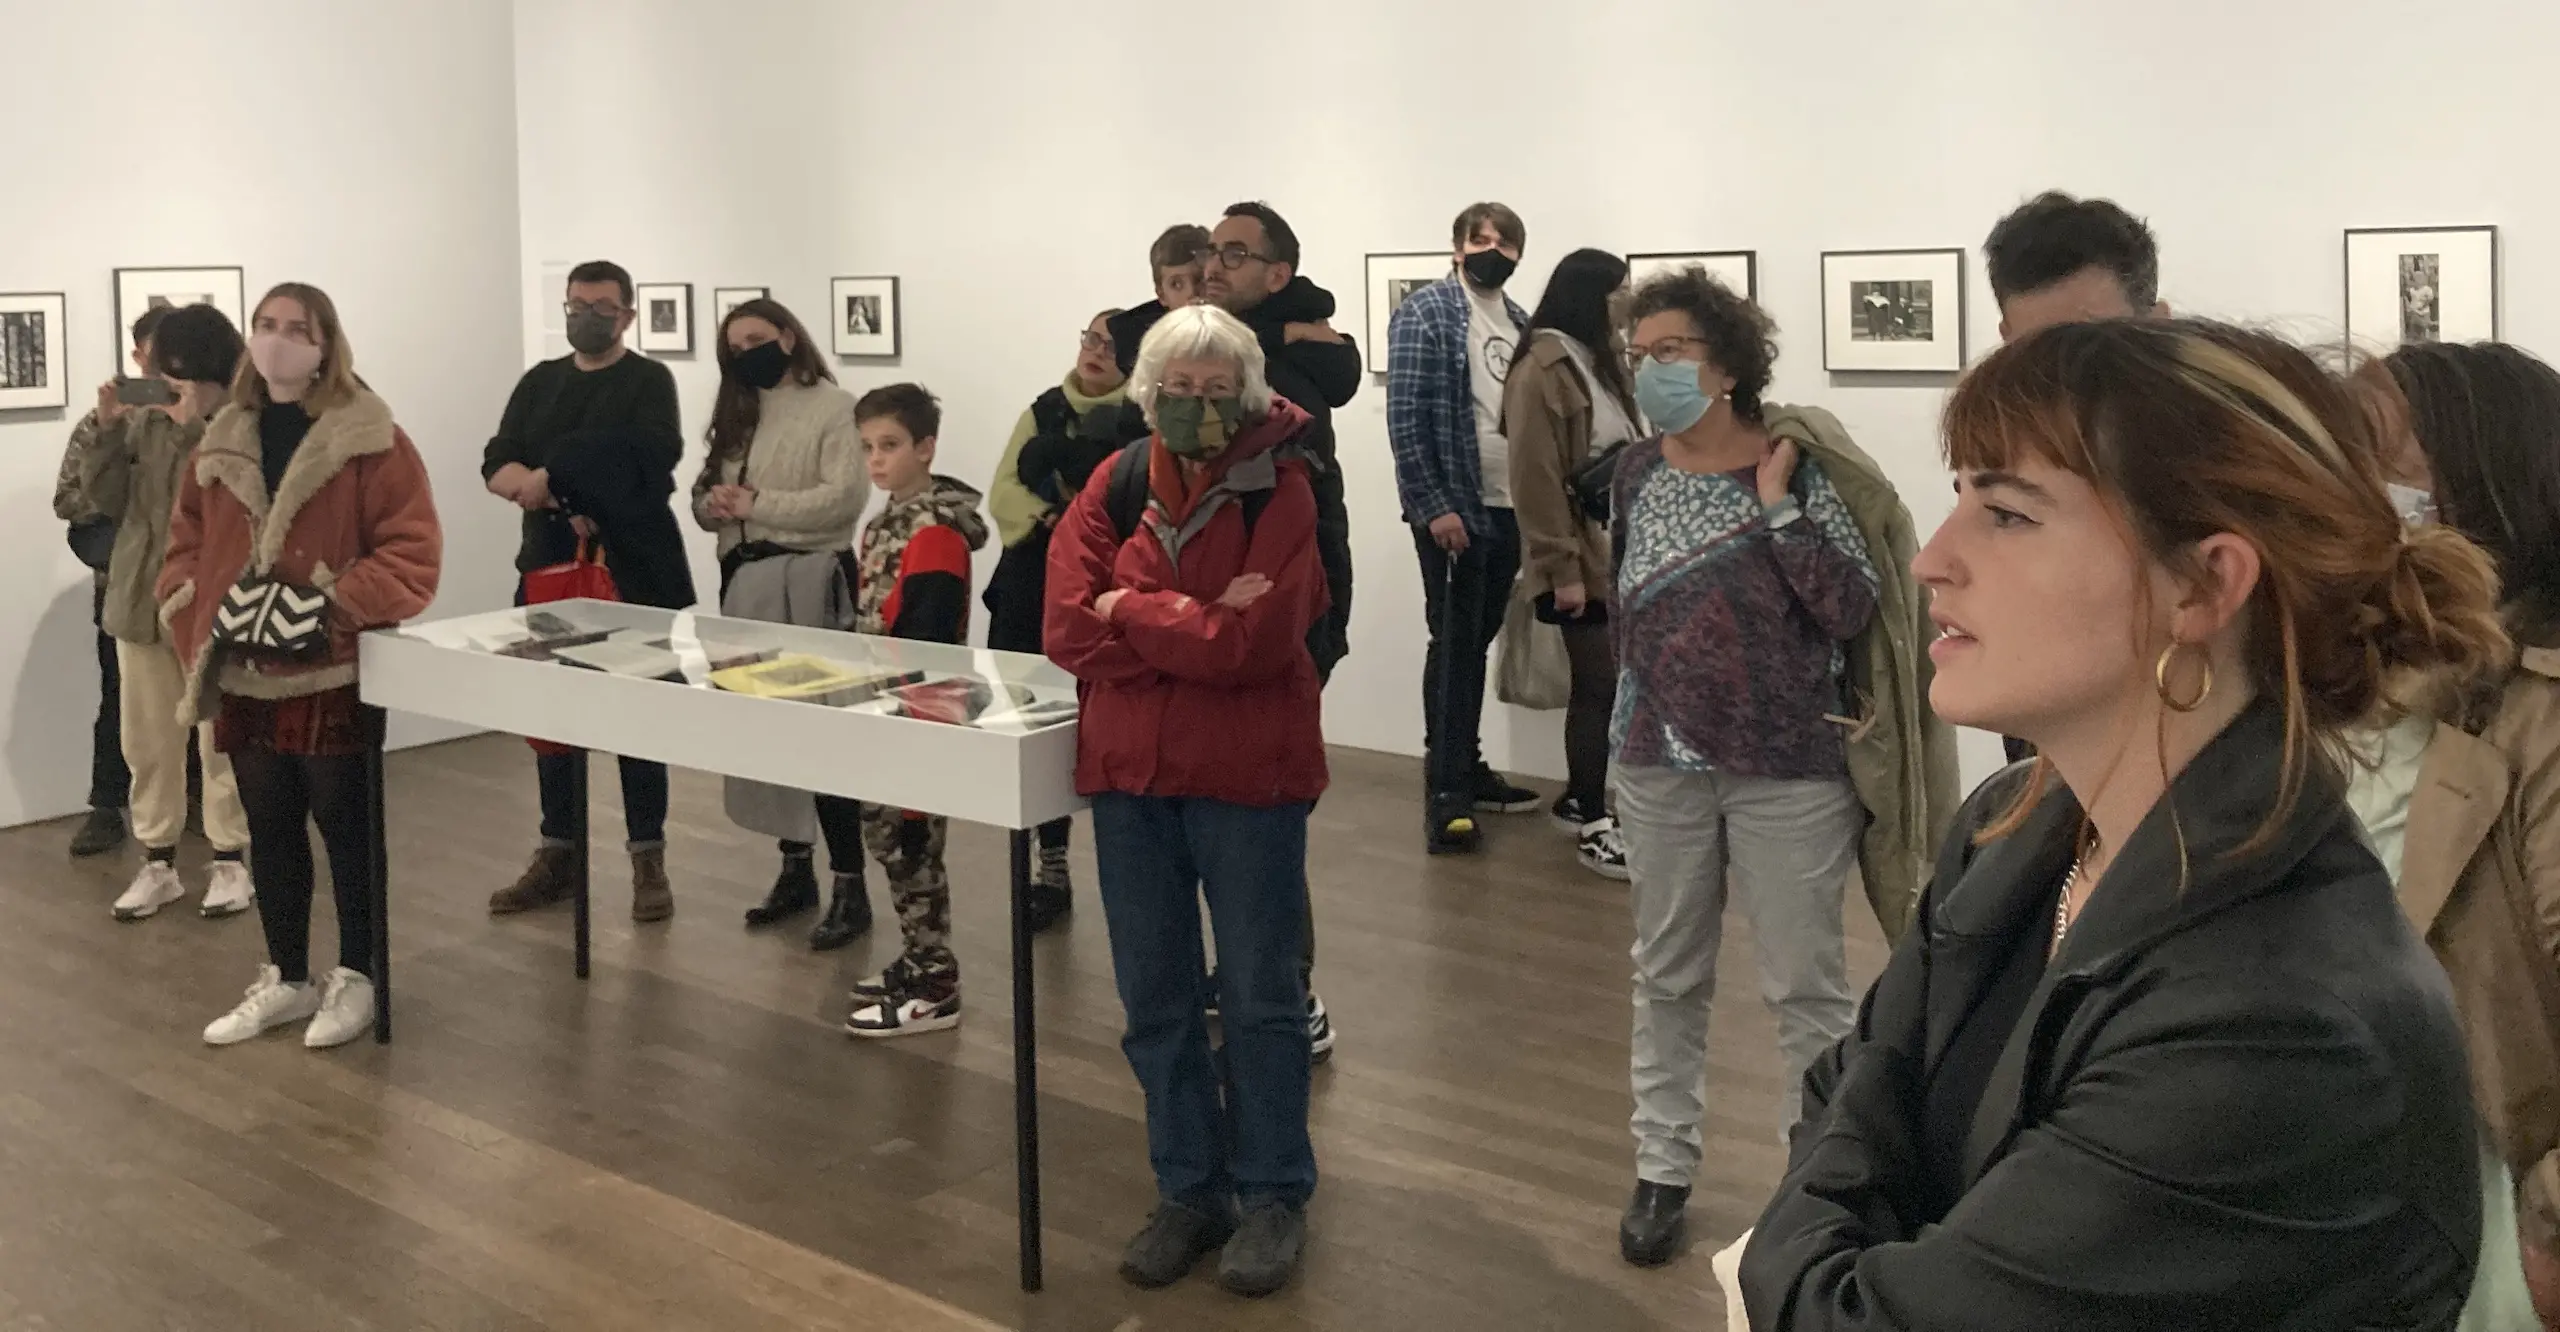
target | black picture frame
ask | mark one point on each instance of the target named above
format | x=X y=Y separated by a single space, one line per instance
x=884 y=339
x=2356 y=326
x=135 y=289
x=1936 y=355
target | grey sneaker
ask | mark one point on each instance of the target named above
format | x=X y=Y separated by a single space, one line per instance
x=1174 y=1242
x=1265 y=1251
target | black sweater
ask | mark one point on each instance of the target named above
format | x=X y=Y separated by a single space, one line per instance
x=634 y=398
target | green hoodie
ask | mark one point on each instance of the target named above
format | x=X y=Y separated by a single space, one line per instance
x=1010 y=502
x=1902 y=756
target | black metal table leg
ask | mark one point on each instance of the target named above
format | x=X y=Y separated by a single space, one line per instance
x=1026 y=1067
x=578 y=860
x=377 y=838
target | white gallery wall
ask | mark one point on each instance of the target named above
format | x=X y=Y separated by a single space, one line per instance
x=368 y=148
x=1011 y=159
x=430 y=161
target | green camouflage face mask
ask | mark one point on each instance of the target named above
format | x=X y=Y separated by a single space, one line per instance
x=1198 y=428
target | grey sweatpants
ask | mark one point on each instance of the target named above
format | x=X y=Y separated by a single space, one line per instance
x=1791 y=845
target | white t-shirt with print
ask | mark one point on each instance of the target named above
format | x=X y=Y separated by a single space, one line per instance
x=1492 y=340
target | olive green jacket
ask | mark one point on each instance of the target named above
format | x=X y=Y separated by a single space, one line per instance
x=1902 y=755
x=129 y=472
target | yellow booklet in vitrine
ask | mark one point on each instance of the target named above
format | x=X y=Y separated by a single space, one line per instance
x=807 y=679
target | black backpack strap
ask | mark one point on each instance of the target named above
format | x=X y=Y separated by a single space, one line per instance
x=1126 y=500
x=1253 y=502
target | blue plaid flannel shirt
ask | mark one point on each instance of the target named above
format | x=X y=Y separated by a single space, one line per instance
x=1431 y=407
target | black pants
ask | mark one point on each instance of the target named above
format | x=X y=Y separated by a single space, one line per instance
x=1463 y=597
x=644 y=799
x=283 y=794
x=110 y=782
x=1586 y=710
x=840 y=822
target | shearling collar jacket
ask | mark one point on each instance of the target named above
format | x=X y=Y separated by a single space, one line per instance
x=353 y=516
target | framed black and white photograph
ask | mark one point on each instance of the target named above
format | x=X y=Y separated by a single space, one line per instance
x=666 y=316
x=1392 y=279
x=725 y=299
x=1893 y=311
x=2421 y=284
x=32 y=374
x=1737 y=269
x=864 y=313
x=140 y=289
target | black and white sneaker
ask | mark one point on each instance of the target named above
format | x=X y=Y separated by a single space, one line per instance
x=930 y=1005
x=1495 y=794
x=1571 y=814
x=1603 y=851
x=1319 y=1030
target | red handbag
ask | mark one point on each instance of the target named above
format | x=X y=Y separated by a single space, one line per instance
x=582 y=578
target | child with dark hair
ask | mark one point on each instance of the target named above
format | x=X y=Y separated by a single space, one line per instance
x=914 y=583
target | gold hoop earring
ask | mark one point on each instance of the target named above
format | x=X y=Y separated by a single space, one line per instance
x=2160 y=679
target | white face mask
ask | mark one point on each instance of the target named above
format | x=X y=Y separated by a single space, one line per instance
x=2416 y=507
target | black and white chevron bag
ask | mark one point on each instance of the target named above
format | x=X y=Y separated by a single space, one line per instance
x=265 y=616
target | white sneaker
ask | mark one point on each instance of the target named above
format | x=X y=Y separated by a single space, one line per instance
x=1603 y=851
x=154 y=887
x=346 y=1010
x=269 y=1004
x=228 y=892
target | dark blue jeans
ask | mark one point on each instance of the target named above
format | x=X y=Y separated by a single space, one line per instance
x=1242 y=1137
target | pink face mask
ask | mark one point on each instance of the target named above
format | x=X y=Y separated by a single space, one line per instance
x=282 y=361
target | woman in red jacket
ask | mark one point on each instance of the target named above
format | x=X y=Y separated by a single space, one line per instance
x=302 y=485
x=1202 y=747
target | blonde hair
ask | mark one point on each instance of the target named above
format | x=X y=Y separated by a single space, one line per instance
x=335 y=384
x=1205 y=332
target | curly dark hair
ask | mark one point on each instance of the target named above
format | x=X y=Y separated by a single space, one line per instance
x=1741 y=338
x=2054 y=236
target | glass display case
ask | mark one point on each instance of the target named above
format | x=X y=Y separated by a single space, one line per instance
x=891 y=677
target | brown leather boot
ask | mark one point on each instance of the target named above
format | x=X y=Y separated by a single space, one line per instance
x=545 y=881
x=652 y=898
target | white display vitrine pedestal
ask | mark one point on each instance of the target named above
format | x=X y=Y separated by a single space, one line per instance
x=633 y=680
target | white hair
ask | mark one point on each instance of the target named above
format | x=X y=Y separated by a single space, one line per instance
x=1207 y=333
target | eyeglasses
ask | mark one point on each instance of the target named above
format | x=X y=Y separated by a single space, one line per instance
x=1094 y=342
x=1233 y=255
x=1665 y=350
x=1215 y=388
x=608 y=309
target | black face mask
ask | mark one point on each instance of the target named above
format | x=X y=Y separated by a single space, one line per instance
x=1489 y=269
x=761 y=366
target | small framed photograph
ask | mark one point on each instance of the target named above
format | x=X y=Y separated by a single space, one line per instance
x=725 y=299
x=1737 y=269
x=666 y=316
x=32 y=374
x=140 y=289
x=1893 y=311
x=1393 y=278
x=864 y=313
x=2421 y=284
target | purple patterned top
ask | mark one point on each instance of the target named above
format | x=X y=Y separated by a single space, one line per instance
x=1729 y=620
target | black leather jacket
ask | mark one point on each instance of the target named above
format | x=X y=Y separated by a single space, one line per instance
x=2240 y=1104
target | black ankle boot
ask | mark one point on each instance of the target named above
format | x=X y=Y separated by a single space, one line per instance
x=848 y=916
x=1656 y=1220
x=795 y=890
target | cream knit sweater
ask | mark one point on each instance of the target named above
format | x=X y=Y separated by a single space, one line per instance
x=805 y=464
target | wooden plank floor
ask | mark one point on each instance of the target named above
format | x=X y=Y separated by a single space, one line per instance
x=686 y=1141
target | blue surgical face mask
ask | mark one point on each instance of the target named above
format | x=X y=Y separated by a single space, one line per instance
x=1669 y=395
